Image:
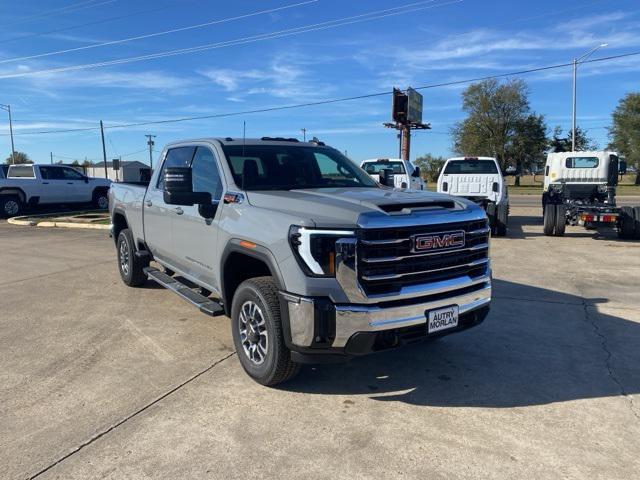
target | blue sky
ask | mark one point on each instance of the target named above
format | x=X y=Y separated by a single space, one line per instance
x=420 y=44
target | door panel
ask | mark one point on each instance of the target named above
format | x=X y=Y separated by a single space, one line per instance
x=195 y=238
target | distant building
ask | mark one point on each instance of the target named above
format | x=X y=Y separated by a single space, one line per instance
x=132 y=171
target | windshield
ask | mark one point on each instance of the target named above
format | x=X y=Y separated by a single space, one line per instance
x=288 y=167
x=373 y=168
x=470 y=167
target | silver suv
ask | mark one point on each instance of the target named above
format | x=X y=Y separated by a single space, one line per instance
x=310 y=258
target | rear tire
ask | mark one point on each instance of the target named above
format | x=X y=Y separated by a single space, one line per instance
x=256 y=325
x=10 y=206
x=549 y=219
x=636 y=215
x=627 y=223
x=502 y=220
x=561 y=220
x=131 y=268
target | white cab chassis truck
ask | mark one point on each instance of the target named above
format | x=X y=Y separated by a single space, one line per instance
x=404 y=174
x=580 y=189
x=480 y=180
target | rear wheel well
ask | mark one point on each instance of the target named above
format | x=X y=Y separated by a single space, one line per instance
x=239 y=267
x=119 y=223
x=14 y=191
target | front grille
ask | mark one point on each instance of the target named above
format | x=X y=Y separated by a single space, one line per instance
x=386 y=262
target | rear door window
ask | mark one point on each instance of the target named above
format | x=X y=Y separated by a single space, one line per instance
x=21 y=171
x=176 y=157
x=468 y=167
x=582 y=162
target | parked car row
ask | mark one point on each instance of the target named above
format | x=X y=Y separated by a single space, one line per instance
x=29 y=185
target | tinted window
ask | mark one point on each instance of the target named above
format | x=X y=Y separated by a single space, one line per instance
x=206 y=177
x=18 y=171
x=71 y=174
x=373 y=168
x=470 y=167
x=582 y=162
x=51 y=173
x=176 y=157
x=286 y=167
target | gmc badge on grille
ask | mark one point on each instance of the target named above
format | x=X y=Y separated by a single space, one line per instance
x=438 y=241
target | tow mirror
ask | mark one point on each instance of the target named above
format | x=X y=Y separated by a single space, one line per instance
x=416 y=172
x=622 y=167
x=386 y=177
x=178 y=190
x=495 y=186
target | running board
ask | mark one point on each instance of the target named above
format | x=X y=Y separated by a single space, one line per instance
x=204 y=304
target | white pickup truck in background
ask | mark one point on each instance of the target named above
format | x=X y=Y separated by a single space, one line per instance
x=405 y=173
x=31 y=185
x=480 y=180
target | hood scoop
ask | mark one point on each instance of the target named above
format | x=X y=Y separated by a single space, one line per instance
x=406 y=208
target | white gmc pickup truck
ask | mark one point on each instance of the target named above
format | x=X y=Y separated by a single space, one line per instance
x=30 y=185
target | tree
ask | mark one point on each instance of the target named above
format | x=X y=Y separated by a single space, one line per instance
x=494 y=111
x=625 y=130
x=429 y=166
x=562 y=143
x=18 y=157
x=528 y=144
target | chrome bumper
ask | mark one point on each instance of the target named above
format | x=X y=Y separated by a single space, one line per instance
x=350 y=319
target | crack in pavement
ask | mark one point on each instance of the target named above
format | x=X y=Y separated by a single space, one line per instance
x=129 y=417
x=609 y=354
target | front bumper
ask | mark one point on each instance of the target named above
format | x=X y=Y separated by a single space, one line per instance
x=317 y=325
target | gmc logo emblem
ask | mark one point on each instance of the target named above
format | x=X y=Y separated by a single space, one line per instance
x=438 y=241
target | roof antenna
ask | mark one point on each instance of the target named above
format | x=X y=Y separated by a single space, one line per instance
x=244 y=135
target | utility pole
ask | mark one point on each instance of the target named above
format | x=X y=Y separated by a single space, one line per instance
x=151 y=143
x=104 y=150
x=304 y=134
x=575 y=91
x=51 y=155
x=13 y=148
x=407 y=116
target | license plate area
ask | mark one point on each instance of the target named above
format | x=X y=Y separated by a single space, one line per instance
x=441 y=319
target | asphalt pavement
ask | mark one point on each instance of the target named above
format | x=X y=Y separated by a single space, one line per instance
x=98 y=380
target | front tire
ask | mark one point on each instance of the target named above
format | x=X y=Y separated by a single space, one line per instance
x=256 y=325
x=10 y=206
x=131 y=268
x=101 y=199
x=549 y=219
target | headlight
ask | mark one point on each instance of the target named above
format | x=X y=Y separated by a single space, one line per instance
x=316 y=249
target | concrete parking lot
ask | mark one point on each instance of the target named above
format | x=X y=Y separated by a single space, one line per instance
x=98 y=380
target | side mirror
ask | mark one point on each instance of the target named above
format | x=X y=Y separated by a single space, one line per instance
x=416 y=172
x=178 y=189
x=86 y=179
x=622 y=167
x=386 y=177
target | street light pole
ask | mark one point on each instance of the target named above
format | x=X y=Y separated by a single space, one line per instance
x=13 y=148
x=575 y=91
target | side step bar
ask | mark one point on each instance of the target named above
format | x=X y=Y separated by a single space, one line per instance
x=204 y=304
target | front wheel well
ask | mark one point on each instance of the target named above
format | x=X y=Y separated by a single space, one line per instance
x=237 y=268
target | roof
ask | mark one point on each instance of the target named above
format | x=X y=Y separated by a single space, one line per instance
x=124 y=163
x=474 y=158
x=250 y=141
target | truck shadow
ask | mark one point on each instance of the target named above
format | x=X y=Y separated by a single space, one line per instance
x=536 y=347
x=518 y=230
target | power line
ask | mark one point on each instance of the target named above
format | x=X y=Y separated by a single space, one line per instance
x=89 y=24
x=58 y=11
x=329 y=101
x=157 y=34
x=374 y=15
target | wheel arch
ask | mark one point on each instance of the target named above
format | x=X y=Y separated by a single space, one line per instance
x=119 y=222
x=22 y=196
x=239 y=263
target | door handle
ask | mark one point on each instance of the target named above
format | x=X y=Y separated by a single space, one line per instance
x=148 y=203
x=178 y=211
x=45 y=183
x=69 y=183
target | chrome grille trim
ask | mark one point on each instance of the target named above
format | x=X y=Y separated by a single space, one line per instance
x=374 y=278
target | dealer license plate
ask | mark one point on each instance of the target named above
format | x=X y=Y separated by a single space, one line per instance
x=442 y=319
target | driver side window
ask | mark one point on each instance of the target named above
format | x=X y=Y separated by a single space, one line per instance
x=205 y=173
